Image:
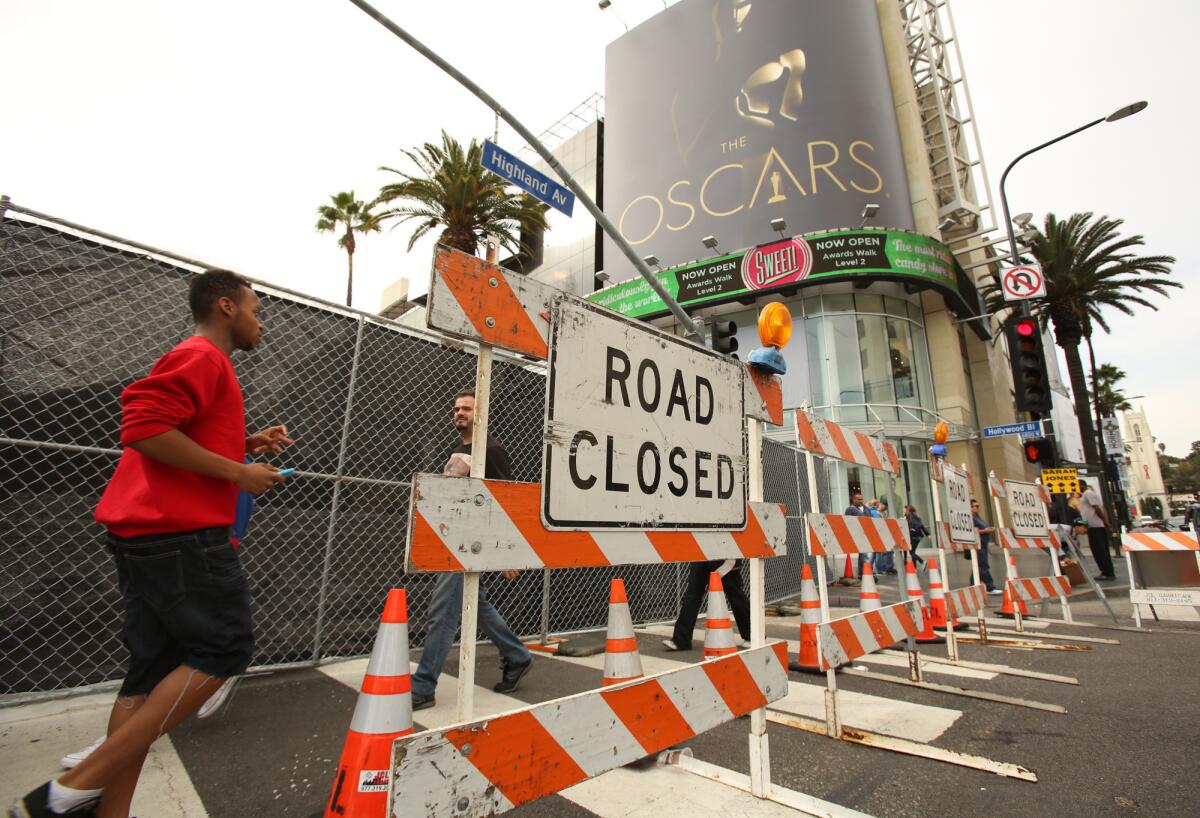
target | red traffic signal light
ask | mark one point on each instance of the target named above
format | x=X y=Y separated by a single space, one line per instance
x=1027 y=357
x=1040 y=451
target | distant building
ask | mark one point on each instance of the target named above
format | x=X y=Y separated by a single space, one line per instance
x=1141 y=449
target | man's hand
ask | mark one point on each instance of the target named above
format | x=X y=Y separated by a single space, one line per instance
x=255 y=478
x=270 y=440
x=511 y=574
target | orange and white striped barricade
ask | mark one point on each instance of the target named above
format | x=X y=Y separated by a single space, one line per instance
x=840 y=535
x=1161 y=569
x=845 y=639
x=1028 y=521
x=955 y=531
x=946 y=543
x=479 y=301
x=492 y=765
x=1034 y=588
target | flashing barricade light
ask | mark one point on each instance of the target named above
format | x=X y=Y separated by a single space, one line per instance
x=774 y=330
x=1027 y=357
x=941 y=433
x=724 y=338
x=1040 y=451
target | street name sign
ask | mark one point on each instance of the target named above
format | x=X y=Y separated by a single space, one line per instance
x=1026 y=511
x=1022 y=282
x=958 y=502
x=1061 y=481
x=532 y=181
x=1029 y=428
x=644 y=430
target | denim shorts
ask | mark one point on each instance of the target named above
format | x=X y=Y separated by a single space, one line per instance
x=187 y=602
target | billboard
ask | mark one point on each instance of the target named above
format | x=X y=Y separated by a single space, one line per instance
x=788 y=264
x=722 y=115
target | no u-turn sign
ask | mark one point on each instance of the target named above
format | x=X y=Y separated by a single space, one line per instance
x=643 y=429
x=1022 y=282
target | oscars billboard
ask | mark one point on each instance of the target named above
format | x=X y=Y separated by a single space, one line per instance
x=721 y=115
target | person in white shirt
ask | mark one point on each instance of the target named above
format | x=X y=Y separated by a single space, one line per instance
x=1091 y=507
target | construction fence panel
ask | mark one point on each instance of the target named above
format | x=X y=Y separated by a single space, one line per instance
x=368 y=403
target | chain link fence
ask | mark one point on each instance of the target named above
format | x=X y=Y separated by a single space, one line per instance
x=368 y=402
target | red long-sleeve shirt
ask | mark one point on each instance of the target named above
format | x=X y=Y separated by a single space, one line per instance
x=194 y=389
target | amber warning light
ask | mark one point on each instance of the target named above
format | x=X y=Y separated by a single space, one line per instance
x=774 y=330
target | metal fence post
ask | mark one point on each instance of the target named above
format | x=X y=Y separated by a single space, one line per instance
x=337 y=493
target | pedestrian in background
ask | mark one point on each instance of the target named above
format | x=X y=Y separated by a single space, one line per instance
x=881 y=562
x=1093 y=513
x=1192 y=515
x=445 y=608
x=857 y=509
x=689 y=606
x=168 y=508
x=916 y=532
x=985 y=536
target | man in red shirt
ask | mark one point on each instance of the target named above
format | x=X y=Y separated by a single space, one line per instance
x=168 y=510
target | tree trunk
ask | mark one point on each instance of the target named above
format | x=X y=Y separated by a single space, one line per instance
x=1115 y=514
x=349 y=243
x=1083 y=404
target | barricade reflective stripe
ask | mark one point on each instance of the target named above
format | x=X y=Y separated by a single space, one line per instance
x=942 y=530
x=1035 y=588
x=962 y=602
x=1044 y=493
x=466 y=524
x=842 y=534
x=498 y=762
x=1160 y=541
x=1010 y=540
x=764 y=395
x=996 y=486
x=470 y=298
x=826 y=438
x=843 y=640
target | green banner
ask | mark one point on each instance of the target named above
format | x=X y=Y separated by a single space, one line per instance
x=817 y=258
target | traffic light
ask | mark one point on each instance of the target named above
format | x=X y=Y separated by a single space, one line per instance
x=1031 y=381
x=1041 y=451
x=724 y=338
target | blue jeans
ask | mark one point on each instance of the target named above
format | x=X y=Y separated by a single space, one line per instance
x=883 y=562
x=445 y=615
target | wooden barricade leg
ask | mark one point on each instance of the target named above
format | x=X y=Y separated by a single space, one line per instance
x=760 y=757
x=1137 y=607
x=470 y=600
x=951 y=639
x=833 y=723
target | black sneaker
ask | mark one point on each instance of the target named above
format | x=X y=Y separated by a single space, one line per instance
x=420 y=702
x=36 y=805
x=510 y=676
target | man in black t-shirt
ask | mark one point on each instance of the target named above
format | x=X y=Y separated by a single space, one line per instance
x=445 y=608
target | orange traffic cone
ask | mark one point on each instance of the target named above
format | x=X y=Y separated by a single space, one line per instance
x=926 y=635
x=1006 y=604
x=868 y=597
x=848 y=577
x=810 y=617
x=621 y=659
x=718 y=627
x=937 y=596
x=383 y=712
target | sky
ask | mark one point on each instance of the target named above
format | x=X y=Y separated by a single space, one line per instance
x=216 y=129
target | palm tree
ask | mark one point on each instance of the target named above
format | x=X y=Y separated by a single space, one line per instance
x=451 y=189
x=1108 y=397
x=1088 y=268
x=357 y=217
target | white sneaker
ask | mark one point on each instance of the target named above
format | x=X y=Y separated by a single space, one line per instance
x=670 y=645
x=218 y=699
x=71 y=760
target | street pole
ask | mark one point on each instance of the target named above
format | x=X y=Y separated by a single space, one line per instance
x=691 y=331
x=1089 y=441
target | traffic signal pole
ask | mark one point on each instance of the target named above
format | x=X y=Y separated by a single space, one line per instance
x=691 y=331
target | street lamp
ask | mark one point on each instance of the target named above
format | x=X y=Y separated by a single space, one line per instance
x=1120 y=113
x=868 y=213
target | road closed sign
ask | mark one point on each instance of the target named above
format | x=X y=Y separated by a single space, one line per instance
x=643 y=429
x=1026 y=511
x=958 y=506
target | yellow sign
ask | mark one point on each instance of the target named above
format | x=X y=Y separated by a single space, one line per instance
x=1061 y=481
